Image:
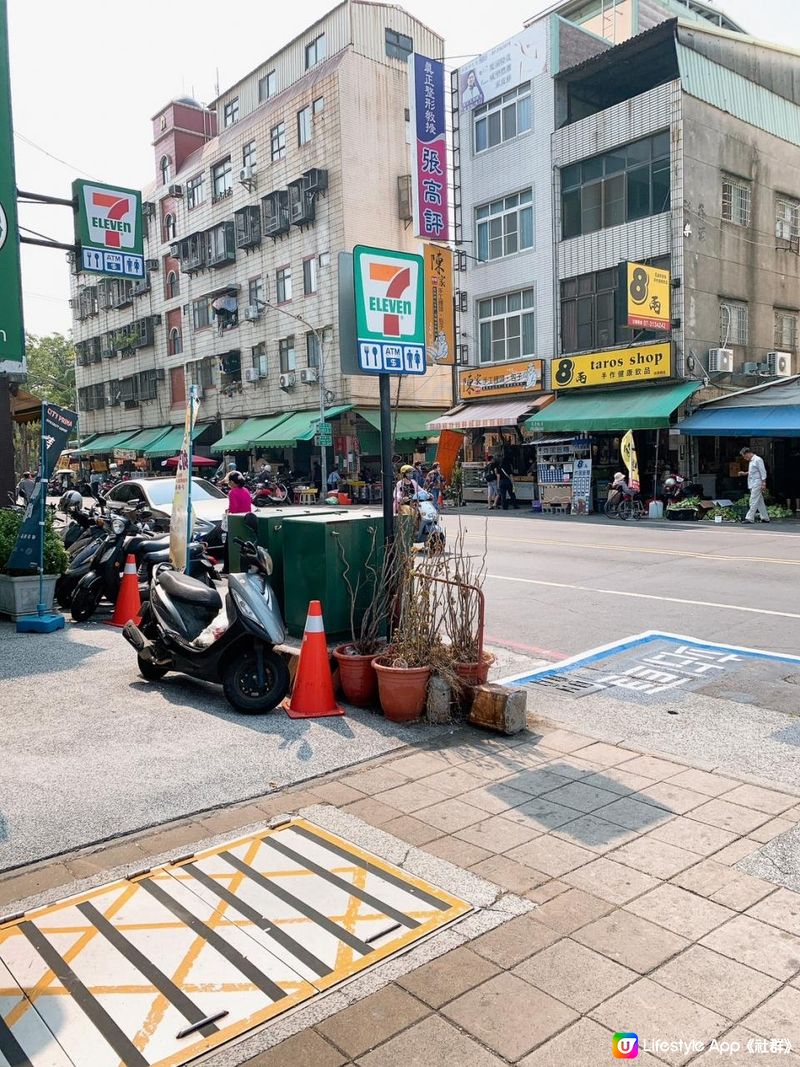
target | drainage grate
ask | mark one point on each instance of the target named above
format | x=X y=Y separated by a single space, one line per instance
x=565 y=683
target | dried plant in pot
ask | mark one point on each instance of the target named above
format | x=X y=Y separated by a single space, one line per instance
x=462 y=619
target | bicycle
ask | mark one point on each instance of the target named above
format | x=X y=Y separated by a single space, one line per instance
x=624 y=506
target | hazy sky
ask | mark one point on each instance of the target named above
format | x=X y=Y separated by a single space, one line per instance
x=87 y=75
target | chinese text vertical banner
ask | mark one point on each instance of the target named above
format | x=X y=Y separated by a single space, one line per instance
x=429 y=180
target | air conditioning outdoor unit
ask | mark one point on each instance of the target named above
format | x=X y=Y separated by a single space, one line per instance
x=151 y=264
x=779 y=364
x=252 y=374
x=161 y=374
x=175 y=190
x=309 y=375
x=286 y=381
x=404 y=210
x=720 y=360
x=246 y=174
x=252 y=312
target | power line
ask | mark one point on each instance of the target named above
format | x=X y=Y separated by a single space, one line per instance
x=58 y=159
x=37 y=234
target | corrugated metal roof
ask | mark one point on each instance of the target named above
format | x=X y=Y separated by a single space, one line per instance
x=730 y=92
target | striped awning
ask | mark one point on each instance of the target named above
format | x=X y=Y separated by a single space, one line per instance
x=490 y=413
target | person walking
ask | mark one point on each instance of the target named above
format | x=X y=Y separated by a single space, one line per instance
x=25 y=487
x=333 y=479
x=756 y=482
x=505 y=487
x=434 y=483
x=95 y=481
x=490 y=477
x=240 y=502
x=418 y=474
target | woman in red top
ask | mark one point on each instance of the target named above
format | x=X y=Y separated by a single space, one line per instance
x=239 y=499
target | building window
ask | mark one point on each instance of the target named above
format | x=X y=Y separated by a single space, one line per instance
x=312 y=345
x=506 y=326
x=785 y=330
x=287 y=354
x=735 y=201
x=249 y=158
x=733 y=323
x=277 y=140
x=173 y=286
x=630 y=182
x=318 y=106
x=174 y=343
x=398 y=45
x=202 y=312
x=255 y=292
x=316 y=51
x=221 y=179
x=324 y=259
x=259 y=352
x=195 y=191
x=169 y=227
x=787 y=218
x=177 y=385
x=505 y=226
x=165 y=168
x=310 y=275
x=230 y=112
x=503 y=118
x=283 y=285
x=266 y=86
x=304 y=125
x=587 y=311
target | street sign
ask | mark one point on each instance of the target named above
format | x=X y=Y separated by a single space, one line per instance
x=323 y=433
x=390 y=311
x=108 y=229
x=12 y=334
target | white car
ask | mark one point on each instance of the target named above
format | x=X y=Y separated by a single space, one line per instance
x=157 y=494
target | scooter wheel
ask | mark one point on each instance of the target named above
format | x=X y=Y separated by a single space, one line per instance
x=149 y=670
x=64 y=590
x=242 y=690
x=84 y=605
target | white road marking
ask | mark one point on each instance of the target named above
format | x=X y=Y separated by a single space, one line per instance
x=646 y=596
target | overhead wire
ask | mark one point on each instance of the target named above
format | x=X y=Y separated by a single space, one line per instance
x=58 y=159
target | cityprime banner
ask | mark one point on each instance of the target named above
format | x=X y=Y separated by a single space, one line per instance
x=180 y=525
x=429 y=180
x=58 y=425
x=12 y=335
x=440 y=331
x=509 y=64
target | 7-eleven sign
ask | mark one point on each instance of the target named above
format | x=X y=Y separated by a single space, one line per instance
x=390 y=311
x=108 y=229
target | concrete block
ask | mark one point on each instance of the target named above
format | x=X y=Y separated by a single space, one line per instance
x=499 y=708
x=439 y=695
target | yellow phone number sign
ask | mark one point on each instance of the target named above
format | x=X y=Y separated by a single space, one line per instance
x=641 y=364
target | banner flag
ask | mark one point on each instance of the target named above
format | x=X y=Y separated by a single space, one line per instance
x=180 y=524
x=628 y=450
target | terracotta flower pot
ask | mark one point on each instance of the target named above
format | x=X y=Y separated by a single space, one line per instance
x=358 y=677
x=402 y=690
x=475 y=673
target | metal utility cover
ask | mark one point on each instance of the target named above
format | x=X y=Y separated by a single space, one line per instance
x=217 y=944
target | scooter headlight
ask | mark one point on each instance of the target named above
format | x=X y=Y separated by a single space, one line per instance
x=244 y=607
x=118 y=524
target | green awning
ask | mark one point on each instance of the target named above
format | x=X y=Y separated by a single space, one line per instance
x=170 y=443
x=105 y=443
x=247 y=434
x=297 y=427
x=407 y=425
x=646 y=408
x=141 y=440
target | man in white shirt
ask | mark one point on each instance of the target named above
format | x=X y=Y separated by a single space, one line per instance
x=756 y=483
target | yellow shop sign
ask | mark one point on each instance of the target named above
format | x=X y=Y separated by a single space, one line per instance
x=638 y=364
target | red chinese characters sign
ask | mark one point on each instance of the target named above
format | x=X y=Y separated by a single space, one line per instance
x=430 y=149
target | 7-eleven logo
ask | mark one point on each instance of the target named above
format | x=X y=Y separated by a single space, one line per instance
x=389 y=293
x=111 y=217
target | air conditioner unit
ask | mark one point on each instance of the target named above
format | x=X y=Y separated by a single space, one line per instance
x=720 y=360
x=404 y=209
x=246 y=174
x=309 y=375
x=175 y=250
x=161 y=374
x=779 y=364
x=151 y=264
x=286 y=381
x=749 y=368
x=316 y=180
x=175 y=190
x=252 y=312
x=251 y=374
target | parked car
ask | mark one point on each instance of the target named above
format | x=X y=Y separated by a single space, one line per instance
x=157 y=494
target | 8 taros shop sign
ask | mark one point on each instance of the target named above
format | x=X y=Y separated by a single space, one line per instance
x=526 y=376
x=642 y=364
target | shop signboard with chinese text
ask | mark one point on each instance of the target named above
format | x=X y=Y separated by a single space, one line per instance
x=646 y=296
x=390 y=311
x=108 y=229
x=440 y=331
x=429 y=146
x=12 y=334
x=509 y=64
x=644 y=363
x=524 y=376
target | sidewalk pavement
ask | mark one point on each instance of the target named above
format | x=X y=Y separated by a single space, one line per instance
x=643 y=922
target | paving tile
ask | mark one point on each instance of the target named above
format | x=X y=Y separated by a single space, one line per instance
x=768 y=800
x=515 y=877
x=611 y=881
x=338 y=793
x=497 y=834
x=301 y=1050
x=571 y=910
x=654 y=857
x=372 y=811
x=550 y=855
x=540 y=894
x=781 y=909
x=778 y=1017
x=584 y=1044
x=674 y=798
x=541 y=814
x=574 y=974
x=228 y=819
x=375 y=780
x=454 y=850
x=585 y=798
x=736 y=1052
x=417 y=765
x=632 y=941
x=698 y=837
x=617 y=780
x=736 y=850
x=768 y=830
x=509 y=1016
x=661 y=1015
x=453 y=781
x=604 y=755
x=451 y=815
x=757 y=945
x=514 y=941
x=495 y=797
x=634 y=815
x=652 y=767
x=743 y=892
x=448 y=977
x=566 y=741
x=494 y=768
x=703 y=782
x=724 y=884
x=176 y=837
x=680 y=911
x=377 y=1017
x=572 y=767
x=536 y=780
x=410 y=797
x=432 y=1041
x=407 y=828
x=594 y=833
x=715 y=981
x=719 y=812
x=103 y=859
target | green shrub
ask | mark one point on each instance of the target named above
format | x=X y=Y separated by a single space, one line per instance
x=55 y=556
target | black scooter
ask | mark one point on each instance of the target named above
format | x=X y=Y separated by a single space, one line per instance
x=184 y=627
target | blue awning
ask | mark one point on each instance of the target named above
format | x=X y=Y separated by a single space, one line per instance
x=766 y=421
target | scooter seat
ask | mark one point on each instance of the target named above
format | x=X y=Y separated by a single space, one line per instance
x=189 y=590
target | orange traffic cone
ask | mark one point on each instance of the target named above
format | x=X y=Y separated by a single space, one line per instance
x=312 y=693
x=128 y=605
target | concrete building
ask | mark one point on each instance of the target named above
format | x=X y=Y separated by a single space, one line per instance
x=254 y=197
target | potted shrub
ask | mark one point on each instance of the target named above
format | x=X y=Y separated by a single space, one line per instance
x=19 y=590
x=462 y=618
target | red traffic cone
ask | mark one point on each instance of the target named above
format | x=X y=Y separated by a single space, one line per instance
x=128 y=605
x=312 y=694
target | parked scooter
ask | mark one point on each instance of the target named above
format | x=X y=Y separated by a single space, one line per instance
x=428 y=530
x=224 y=634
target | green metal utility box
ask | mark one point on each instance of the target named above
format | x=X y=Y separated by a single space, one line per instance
x=313 y=566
